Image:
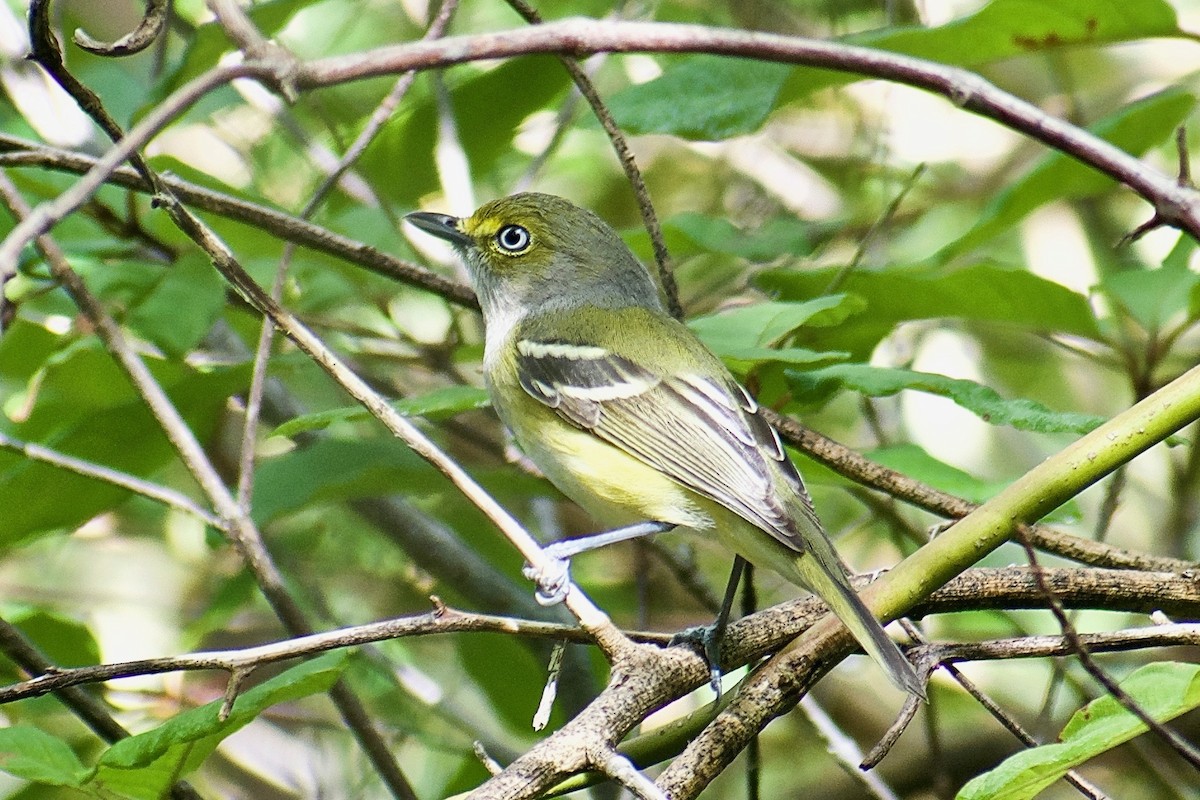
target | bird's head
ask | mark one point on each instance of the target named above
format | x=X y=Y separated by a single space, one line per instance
x=533 y=249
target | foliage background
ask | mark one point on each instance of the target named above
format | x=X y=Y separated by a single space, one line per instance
x=934 y=242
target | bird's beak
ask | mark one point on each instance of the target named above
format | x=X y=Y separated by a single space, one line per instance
x=442 y=226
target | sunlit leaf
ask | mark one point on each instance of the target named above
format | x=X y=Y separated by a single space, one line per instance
x=702 y=97
x=145 y=766
x=1164 y=691
x=982 y=292
x=984 y=402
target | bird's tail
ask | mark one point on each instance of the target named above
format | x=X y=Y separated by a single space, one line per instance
x=823 y=573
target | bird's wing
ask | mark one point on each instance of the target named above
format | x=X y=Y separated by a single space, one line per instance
x=705 y=434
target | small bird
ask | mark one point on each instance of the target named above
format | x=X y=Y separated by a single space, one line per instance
x=626 y=411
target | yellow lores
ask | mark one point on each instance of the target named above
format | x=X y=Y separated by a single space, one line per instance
x=625 y=410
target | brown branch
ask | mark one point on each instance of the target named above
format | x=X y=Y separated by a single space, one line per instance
x=148 y=28
x=991 y=706
x=22 y=153
x=1176 y=205
x=648 y=682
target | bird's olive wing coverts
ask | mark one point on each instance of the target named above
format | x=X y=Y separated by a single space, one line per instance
x=706 y=435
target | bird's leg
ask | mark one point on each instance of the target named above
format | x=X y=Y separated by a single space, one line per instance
x=709 y=637
x=552 y=582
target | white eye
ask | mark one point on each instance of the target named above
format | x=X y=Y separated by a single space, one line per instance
x=513 y=238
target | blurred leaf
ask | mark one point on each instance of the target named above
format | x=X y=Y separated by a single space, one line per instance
x=1154 y=296
x=1006 y=28
x=182 y=305
x=36 y=756
x=983 y=291
x=66 y=642
x=749 y=333
x=333 y=469
x=702 y=97
x=1135 y=129
x=780 y=236
x=766 y=323
x=508 y=672
x=445 y=402
x=145 y=766
x=914 y=462
x=1163 y=690
x=1025 y=415
x=488 y=108
x=83 y=406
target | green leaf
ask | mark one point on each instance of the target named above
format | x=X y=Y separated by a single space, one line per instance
x=66 y=642
x=751 y=333
x=82 y=405
x=702 y=97
x=32 y=754
x=1135 y=129
x=913 y=461
x=181 y=307
x=983 y=292
x=333 y=469
x=1163 y=690
x=1025 y=415
x=781 y=236
x=1154 y=296
x=1006 y=28
x=145 y=766
x=439 y=403
x=767 y=323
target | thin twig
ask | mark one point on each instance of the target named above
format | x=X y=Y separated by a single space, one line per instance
x=1009 y=722
x=583 y=83
x=1176 y=742
x=375 y=123
x=844 y=750
x=886 y=217
x=89 y=469
x=152 y=23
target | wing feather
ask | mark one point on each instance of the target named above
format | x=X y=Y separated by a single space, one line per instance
x=705 y=434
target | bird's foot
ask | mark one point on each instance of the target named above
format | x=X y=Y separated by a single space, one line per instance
x=553 y=581
x=707 y=640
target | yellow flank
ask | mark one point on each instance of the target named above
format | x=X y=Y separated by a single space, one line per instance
x=611 y=485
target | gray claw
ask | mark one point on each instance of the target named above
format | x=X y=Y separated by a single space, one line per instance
x=553 y=583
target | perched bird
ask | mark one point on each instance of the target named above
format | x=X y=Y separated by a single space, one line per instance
x=625 y=410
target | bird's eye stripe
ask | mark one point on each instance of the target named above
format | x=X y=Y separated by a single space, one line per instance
x=513 y=238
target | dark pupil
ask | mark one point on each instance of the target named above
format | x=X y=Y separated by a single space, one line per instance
x=514 y=237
